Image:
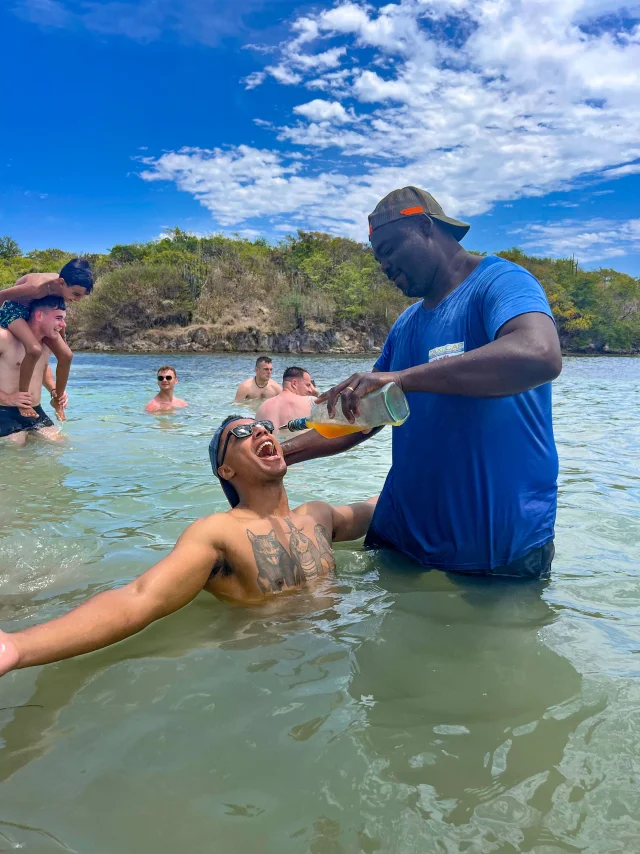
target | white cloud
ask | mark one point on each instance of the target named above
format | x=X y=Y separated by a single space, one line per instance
x=47 y=13
x=621 y=171
x=254 y=79
x=318 y=61
x=503 y=100
x=283 y=74
x=591 y=240
x=323 y=111
x=244 y=183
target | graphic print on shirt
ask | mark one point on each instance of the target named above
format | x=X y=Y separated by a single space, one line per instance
x=446 y=350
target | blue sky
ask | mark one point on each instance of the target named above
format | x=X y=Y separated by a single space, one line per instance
x=122 y=119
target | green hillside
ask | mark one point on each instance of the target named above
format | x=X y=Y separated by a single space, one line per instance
x=311 y=280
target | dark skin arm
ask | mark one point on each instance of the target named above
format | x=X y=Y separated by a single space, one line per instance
x=311 y=445
x=525 y=354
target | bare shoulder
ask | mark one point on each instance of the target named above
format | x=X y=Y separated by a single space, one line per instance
x=210 y=530
x=152 y=406
x=277 y=388
x=8 y=342
x=267 y=408
x=321 y=511
x=179 y=403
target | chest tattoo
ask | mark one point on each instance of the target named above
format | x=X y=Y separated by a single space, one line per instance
x=327 y=560
x=303 y=552
x=275 y=567
x=278 y=568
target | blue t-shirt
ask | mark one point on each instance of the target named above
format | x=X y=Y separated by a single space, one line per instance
x=473 y=482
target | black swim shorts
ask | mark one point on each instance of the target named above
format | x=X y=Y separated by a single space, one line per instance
x=12 y=422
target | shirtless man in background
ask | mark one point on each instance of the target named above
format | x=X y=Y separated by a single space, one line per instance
x=165 y=401
x=258 y=549
x=260 y=387
x=47 y=320
x=294 y=401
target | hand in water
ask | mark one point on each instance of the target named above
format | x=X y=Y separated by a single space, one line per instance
x=8 y=653
x=352 y=390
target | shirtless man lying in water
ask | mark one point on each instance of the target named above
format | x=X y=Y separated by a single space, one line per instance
x=255 y=550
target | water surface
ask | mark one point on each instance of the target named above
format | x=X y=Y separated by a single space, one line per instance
x=405 y=712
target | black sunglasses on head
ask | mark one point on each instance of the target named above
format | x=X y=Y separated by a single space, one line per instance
x=160 y=378
x=243 y=431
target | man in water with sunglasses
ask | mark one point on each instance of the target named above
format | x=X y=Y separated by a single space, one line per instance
x=259 y=548
x=164 y=400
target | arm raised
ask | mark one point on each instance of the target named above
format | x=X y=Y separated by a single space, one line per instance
x=117 y=614
x=33 y=286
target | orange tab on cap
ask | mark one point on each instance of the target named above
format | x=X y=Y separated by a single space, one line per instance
x=412 y=211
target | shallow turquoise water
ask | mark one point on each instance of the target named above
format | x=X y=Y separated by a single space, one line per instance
x=406 y=713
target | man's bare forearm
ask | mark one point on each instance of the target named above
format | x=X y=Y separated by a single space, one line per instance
x=105 y=619
x=507 y=366
x=311 y=445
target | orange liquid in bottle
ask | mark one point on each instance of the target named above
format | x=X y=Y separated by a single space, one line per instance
x=332 y=431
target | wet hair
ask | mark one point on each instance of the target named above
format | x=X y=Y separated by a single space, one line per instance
x=293 y=374
x=168 y=368
x=77 y=272
x=262 y=359
x=49 y=302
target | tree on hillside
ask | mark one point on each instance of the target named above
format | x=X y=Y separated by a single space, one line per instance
x=9 y=248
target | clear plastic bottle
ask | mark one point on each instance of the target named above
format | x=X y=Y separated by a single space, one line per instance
x=386 y=405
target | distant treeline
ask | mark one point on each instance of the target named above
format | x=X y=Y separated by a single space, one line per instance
x=312 y=280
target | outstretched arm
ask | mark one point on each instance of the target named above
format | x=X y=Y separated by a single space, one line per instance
x=33 y=286
x=117 y=614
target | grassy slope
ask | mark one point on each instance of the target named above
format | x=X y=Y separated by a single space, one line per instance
x=308 y=282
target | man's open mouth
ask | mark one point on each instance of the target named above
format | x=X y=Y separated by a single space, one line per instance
x=267 y=450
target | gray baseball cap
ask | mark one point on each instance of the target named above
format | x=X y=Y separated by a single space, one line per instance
x=411 y=201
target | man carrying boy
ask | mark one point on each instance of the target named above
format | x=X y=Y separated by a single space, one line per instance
x=74 y=283
x=46 y=322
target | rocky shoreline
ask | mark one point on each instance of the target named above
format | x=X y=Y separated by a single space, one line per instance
x=352 y=339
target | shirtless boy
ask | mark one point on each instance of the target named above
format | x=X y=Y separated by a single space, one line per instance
x=256 y=550
x=260 y=387
x=165 y=400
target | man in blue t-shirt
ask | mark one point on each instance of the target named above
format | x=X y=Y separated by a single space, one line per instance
x=473 y=481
